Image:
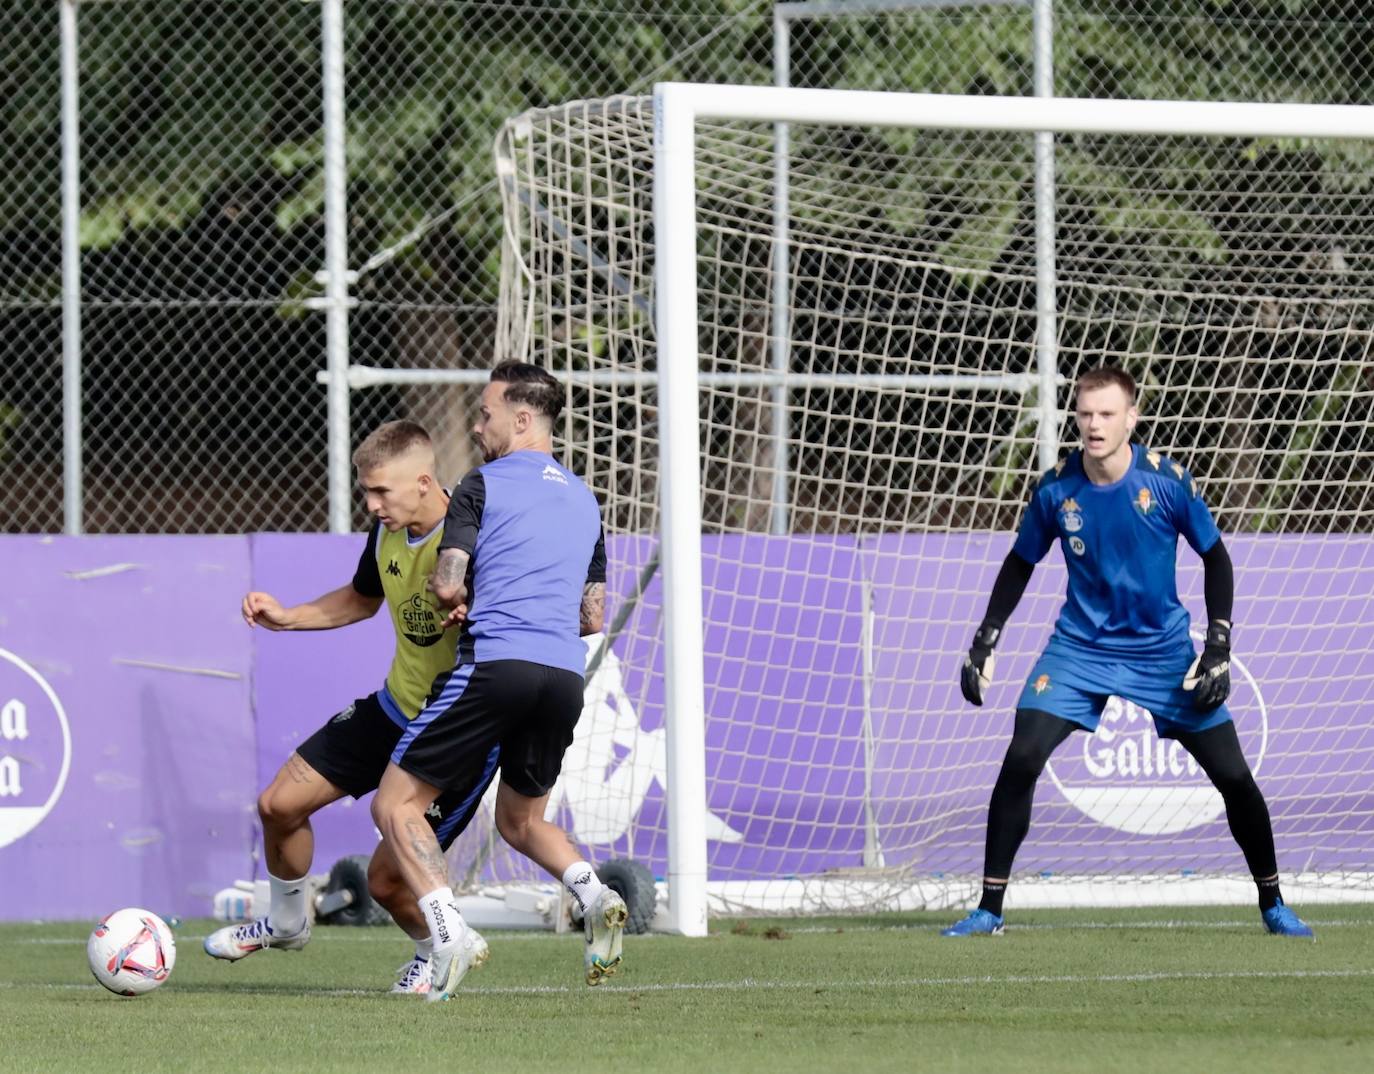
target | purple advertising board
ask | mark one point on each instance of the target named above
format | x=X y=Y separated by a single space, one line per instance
x=139 y=717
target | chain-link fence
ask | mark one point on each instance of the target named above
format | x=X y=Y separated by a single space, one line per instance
x=202 y=198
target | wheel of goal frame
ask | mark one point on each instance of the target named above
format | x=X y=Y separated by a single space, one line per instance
x=635 y=884
x=350 y=875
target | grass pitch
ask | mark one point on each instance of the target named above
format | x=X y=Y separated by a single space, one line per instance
x=1094 y=991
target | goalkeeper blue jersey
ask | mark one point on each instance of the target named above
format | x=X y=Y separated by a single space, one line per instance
x=1120 y=543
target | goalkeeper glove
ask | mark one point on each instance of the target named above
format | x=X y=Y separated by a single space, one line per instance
x=976 y=674
x=1210 y=676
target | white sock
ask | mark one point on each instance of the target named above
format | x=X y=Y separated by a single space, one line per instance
x=287 y=912
x=424 y=948
x=442 y=916
x=582 y=883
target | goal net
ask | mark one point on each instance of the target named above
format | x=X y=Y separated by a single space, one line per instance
x=869 y=421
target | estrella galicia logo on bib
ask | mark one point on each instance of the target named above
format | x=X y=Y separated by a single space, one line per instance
x=420 y=621
x=35 y=748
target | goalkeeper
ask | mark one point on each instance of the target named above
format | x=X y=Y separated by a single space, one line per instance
x=1117 y=510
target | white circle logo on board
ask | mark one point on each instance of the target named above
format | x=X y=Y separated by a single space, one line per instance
x=35 y=748
x=1125 y=777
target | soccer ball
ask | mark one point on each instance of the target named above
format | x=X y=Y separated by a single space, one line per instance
x=131 y=951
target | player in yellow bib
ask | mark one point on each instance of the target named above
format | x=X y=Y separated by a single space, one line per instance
x=348 y=755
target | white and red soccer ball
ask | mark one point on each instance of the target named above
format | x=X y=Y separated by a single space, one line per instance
x=131 y=951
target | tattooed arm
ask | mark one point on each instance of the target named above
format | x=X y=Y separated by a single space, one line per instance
x=447 y=583
x=592 y=614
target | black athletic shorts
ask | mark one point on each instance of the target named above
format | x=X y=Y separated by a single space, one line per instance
x=526 y=711
x=353 y=749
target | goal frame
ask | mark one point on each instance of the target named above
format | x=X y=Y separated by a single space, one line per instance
x=677 y=107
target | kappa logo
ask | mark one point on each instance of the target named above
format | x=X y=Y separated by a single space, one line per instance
x=393 y=569
x=434 y=811
x=553 y=473
x=1177 y=469
x=1153 y=458
x=346 y=714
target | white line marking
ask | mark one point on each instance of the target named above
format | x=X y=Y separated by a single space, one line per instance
x=387 y=936
x=753 y=985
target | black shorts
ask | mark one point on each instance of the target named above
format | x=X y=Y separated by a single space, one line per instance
x=353 y=749
x=526 y=711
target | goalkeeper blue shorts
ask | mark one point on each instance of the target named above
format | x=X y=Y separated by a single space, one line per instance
x=1075 y=687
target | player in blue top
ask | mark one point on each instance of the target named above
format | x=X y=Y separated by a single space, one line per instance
x=522 y=565
x=1117 y=510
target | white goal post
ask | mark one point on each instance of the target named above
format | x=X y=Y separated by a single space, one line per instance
x=789 y=700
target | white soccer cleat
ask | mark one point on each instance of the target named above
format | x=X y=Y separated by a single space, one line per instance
x=415 y=977
x=604 y=926
x=239 y=941
x=448 y=967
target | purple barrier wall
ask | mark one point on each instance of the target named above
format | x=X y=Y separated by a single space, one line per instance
x=127 y=743
x=133 y=745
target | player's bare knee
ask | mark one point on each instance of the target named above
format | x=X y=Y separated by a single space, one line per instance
x=277 y=810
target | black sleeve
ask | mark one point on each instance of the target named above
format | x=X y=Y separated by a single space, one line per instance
x=597 y=571
x=367 y=579
x=465 y=514
x=1006 y=591
x=1218 y=581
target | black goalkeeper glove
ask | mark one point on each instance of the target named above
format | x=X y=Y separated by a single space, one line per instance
x=1210 y=676
x=976 y=674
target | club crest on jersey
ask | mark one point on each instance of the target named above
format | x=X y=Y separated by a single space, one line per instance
x=1144 y=502
x=1041 y=684
x=1070 y=516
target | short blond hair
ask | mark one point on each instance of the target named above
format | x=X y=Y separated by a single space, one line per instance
x=390 y=441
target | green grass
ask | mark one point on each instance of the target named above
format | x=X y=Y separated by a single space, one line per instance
x=1095 y=991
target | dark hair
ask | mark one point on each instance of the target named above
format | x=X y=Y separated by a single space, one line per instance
x=1106 y=375
x=390 y=441
x=531 y=386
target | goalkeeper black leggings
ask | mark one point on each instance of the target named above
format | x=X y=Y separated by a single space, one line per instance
x=1038 y=734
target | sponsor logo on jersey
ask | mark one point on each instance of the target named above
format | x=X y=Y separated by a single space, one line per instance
x=1076 y=543
x=553 y=473
x=1071 y=515
x=420 y=621
x=1041 y=684
x=1144 y=501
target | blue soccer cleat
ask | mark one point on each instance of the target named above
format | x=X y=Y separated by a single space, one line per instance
x=982 y=922
x=1281 y=921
